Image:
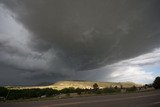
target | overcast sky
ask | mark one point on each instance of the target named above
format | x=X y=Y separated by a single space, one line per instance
x=99 y=40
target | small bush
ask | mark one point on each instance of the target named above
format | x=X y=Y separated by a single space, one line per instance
x=111 y=90
x=30 y=93
x=3 y=92
x=132 y=89
x=156 y=83
x=98 y=91
x=68 y=90
x=79 y=91
x=95 y=86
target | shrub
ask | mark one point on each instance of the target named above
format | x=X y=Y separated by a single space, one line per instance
x=111 y=90
x=156 y=83
x=79 y=91
x=68 y=90
x=98 y=91
x=95 y=86
x=132 y=89
x=30 y=93
x=3 y=92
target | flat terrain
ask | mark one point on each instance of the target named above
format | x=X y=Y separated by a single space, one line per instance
x=143 y=99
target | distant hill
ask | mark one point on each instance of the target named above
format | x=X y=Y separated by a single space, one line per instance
x=82 y=84
x=89 y=84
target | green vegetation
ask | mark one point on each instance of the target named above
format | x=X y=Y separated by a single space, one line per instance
x=111 y=90
x=95 y=86
x=15 y=94
x=156 y=83
x=3 y=92
x=20 y=93
x=132 y=89
x=26 y=93
x=68 y=90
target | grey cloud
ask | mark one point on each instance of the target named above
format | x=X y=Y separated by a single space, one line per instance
x=17 y=55
x=10 y=75
x=47 y=77
x=87 y=34
x=90 y=34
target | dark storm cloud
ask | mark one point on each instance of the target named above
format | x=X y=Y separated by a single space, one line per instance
x=88 y=34
x=10 y=75
x=48 y=77
x=91 y=33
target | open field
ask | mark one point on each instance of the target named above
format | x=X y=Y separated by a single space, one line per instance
x=143 y=99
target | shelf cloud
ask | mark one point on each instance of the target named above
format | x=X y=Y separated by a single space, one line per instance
x=51 y=40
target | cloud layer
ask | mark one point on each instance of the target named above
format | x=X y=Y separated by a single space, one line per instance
x=133 y=69
x=71 y=39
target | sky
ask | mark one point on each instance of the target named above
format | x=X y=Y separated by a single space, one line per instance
x=98 y=40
